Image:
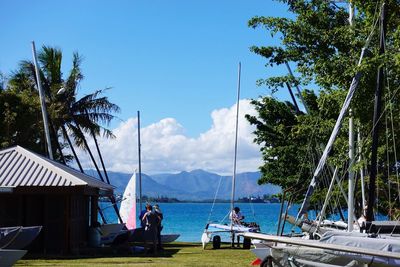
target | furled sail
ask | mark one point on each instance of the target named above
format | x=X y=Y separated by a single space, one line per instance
x=328 y=147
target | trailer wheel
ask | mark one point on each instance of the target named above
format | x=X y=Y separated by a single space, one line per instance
x=246 y=243
x=267 y=262
x=216 y=242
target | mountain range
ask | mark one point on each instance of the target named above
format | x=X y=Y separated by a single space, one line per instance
x=195 y=185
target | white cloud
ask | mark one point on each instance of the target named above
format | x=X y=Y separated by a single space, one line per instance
x=166 y=149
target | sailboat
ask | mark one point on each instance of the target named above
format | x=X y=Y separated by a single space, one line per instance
x=114 y=231
x=129 y=214
x=18 y=237
x=127 y=209
x=338 y=248
x=213 y=230
x=129 y=202
x=9 y=256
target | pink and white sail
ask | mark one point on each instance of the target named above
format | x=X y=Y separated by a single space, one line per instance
x=128 y=204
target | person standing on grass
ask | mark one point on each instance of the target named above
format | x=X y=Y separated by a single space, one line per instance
x=142 y=213
x=150 y=231
x=237 y=218
x=159 y=213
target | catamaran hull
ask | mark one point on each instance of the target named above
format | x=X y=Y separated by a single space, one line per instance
x=334 y=249
x=110 y=228
x=25 y=236
x=10 y=256
x=8 y=234
x=168 y=238
x=137 y=235
x=213 y=229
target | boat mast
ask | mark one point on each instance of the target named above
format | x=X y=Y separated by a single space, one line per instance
x=42 y=102
x=297 y=87
x=364 y=203
x=236 y=137
x=376 y=121
x=350 y=203
x=140 y=162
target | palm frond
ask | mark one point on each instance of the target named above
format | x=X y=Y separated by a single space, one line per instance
x=97 y=109
x=77 y=135
x=83 y=117
x=50 y=59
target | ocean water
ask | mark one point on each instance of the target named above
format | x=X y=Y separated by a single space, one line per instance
x=189 y=219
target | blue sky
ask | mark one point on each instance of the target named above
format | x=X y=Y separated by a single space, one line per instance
x=169 y=59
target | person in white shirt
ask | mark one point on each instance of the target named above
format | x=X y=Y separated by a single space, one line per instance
x=236 y=217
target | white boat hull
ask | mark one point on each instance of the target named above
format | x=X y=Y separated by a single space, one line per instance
x=216 y=228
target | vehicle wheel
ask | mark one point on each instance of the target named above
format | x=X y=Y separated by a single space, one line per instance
x=267 y=262
x=216 y=242
x=246 y=243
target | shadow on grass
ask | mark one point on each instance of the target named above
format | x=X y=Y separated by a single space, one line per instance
x=128 y=250
x=225 y=246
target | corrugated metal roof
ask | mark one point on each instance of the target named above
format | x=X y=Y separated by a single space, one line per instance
x=21 y=167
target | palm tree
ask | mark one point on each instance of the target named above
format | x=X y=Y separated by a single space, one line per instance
x=67 y=113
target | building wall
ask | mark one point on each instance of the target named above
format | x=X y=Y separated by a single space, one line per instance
x=64 y=217
x=79 y=222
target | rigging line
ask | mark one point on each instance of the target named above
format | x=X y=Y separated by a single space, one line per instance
x=368 y=40
x=395 y=226
x=388 y=159
x=252 y=209
x=363 y=141
x=331 y=206
x=336 y=199
x=376 y=18
x=337 y=204
x=377 y=195
x=332 y=138
x=215 y=197
x=324 y=207
x=366 y=45
x=223 y=219
x=393 y=135
x=373 y=195
x=309 y=149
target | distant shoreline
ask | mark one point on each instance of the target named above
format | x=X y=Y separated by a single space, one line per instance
x=155 y=200
x=164 y=199
x=211 y=201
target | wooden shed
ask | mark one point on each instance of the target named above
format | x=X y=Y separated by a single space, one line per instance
x=35 y=190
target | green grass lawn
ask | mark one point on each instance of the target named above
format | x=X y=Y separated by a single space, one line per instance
x=175 y=254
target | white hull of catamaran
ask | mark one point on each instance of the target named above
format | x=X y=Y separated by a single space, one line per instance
x=334 y=249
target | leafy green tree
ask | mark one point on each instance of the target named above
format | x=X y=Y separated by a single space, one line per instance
x=19 y=113
x=324 y=48
x=14 y=114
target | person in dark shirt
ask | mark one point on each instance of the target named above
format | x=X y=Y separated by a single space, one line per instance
x=159 y=213
x=142 y=223
x=151 y=220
